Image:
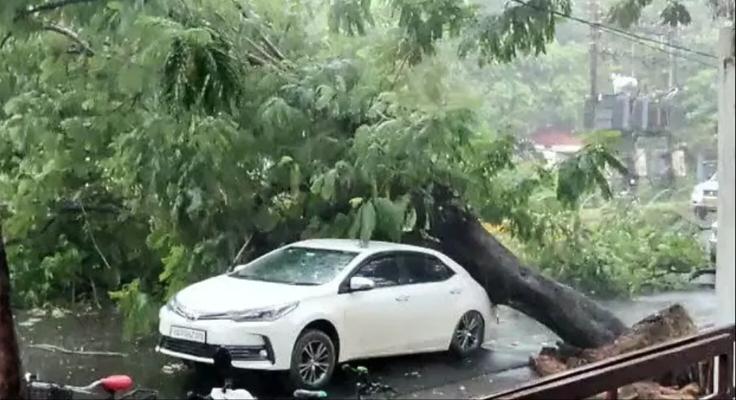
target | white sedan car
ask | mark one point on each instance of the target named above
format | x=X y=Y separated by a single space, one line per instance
x=704 y=198
x=310 y=305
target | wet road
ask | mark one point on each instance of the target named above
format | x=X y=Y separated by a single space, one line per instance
x=503 y=365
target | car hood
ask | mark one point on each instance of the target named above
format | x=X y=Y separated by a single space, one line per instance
x=707 y=185
x=224 y=293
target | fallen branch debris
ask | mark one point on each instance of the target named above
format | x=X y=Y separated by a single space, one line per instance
x=54 y=349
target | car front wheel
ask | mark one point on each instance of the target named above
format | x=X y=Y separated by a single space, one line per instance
x=312 y=360
x=468 y=335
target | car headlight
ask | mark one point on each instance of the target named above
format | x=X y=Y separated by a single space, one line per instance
x=174 y=305
x=262 y=314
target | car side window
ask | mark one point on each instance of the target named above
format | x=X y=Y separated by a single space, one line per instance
x=383 y=271
x=424 y=268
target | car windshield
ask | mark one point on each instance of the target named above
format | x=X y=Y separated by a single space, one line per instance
x=297 y=266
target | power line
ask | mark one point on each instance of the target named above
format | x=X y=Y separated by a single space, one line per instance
x=614 y=29
x=665 y=51
x=682 y=56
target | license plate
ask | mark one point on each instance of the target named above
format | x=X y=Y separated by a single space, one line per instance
x=194 y=335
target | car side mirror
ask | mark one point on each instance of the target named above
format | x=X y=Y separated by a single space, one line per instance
x=359 y=283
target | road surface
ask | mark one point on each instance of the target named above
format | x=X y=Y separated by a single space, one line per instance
x=501 y=366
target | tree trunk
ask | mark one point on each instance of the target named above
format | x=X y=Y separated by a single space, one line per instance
x=9 y=358
x=575 y=318
x=668 y=324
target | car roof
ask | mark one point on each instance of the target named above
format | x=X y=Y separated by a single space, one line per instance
x=356 y=246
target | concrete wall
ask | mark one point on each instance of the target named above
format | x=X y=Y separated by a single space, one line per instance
x=726 y=256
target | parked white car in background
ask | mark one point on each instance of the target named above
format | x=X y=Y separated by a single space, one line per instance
x=310 y=305
x=704 y=198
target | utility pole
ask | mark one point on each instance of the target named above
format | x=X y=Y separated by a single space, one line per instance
x=633 y=59
x=672 y=75
x=726 y=256
x=593 y=51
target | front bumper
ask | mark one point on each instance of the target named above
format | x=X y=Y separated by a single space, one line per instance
x=252 y=345
x=707 y=203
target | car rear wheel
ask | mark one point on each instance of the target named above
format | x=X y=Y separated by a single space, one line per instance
x=312 y=360
x=468 y=335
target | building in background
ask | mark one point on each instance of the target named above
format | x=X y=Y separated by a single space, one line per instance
x=556 y=144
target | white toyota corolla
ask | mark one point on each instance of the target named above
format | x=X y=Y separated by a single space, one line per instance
x=310 y=305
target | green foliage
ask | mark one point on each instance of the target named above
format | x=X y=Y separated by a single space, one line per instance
x=625 y=252
x=626 y=13
x=350 y=16
x=578 y=174
x=675 y=14
x=137 y=308
x=524 y=28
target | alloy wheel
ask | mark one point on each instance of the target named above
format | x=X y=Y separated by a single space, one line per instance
x=314 y=362
x=468 y=332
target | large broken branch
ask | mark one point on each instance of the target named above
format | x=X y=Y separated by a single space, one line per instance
x=5 y=39
x=73 y=36
x=273 y=53
x=574 y=317
x=54 y=349
x=264 y=54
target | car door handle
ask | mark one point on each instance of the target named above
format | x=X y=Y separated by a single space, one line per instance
x=402 y=298
x=455 y=291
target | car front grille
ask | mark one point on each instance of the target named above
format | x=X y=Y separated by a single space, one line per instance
x=710 y=193
x=188 y=347
x=205 y=350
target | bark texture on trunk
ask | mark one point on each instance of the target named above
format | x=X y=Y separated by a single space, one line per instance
x=574 y=317
x=9 y=357
x=668 y=324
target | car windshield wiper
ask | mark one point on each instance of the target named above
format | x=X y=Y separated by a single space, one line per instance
x=255 y=278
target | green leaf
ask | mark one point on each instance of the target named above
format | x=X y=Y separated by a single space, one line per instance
x=195 y=201
x=317 y=183
x=295 y=179
x=355 y=202
x=285 y=160
x=265 y=220
x=328 y=186
x=367 y=221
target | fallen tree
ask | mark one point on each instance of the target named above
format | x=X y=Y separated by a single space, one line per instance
x=574 y=317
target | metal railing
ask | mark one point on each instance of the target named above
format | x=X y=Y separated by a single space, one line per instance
x=712 y=350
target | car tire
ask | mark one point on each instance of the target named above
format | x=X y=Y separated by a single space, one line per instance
x=468 y=335
x=312 y=349
x=200 y=368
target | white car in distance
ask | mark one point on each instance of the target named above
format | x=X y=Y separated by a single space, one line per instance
x=704 y=197
x=308 y=306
